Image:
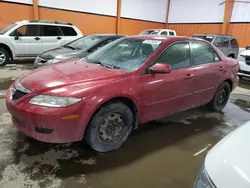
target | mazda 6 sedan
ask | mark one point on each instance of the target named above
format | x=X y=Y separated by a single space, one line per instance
x=133 y=80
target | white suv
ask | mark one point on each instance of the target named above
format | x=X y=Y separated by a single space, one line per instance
x=166 y=32
x=30 y=38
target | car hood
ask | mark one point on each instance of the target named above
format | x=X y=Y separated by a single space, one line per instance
x=245 y=52
x=228 y=163
x=68 y=73
x=63 y=53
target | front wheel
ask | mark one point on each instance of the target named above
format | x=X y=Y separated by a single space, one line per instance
x=110 y=127
x=221 y=98
x=4 y=57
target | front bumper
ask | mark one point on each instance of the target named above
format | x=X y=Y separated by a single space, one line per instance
x=244 y=69
x=39 y=62
x=52 y=125
x=203 y=180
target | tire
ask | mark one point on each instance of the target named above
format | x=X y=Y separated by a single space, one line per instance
x=97 y=135
x=221 y=98
x=4 y=57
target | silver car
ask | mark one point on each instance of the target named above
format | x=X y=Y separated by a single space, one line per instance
x=228 y=45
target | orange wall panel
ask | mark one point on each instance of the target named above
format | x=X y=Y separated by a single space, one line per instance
x=241 y=31
x=10 y=12
x=87 y=23
x=134 y=27
x=190 y=29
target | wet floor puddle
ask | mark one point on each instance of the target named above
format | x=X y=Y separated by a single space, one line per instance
x=164 y=153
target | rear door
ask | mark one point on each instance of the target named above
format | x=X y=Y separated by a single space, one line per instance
x=51 y=36
x=209 y=70
x=169 y=93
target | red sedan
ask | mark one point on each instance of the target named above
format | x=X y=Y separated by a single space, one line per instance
x=106 y=95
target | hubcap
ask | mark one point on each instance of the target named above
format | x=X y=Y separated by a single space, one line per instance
x=111 y=127
x=2 y=57
x=222 y=97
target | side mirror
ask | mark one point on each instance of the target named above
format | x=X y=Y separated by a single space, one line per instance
x=17 y=35
x=160 y=68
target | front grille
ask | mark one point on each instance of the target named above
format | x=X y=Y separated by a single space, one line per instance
x=248 y=60
x=18 y=94
x=244 y=72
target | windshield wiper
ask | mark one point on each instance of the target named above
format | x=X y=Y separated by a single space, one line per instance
x=106 y=65
x=70 y=47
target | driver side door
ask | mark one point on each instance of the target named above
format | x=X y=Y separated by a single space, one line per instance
x=169 y=93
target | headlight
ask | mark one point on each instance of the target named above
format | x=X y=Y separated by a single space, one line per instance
x=241 y=58
x=203 y=180
x=53 y=101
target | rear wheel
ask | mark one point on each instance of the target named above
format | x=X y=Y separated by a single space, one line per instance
x=4 y=57
x=110 y=127
x=221 y=98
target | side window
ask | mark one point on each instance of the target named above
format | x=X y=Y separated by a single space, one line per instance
x=164 y=33
x=21 y=31
x=177 y=55
x=33 y=30
x=27 y=30
x=203 y=54
x=49 y=30
x=234 y=43
x=171 y=33
x=217 y=41
x=68 y=31
x=225 y=42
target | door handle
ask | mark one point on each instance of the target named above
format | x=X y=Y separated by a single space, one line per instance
x=220 y=68
x=59 y=38
x=37 y=38
x=189 y=76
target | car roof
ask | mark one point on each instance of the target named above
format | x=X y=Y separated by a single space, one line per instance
x=214 y=35
x=109 y=35
x=161 y=37
x=159 y=30
x=45 y=22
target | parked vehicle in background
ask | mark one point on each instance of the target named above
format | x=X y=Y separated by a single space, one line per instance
x=104 y=96
x=228 y=45
x=30 y=38
x=165 y=32
x=244 y=60
x=227 y=164
x=76 y=49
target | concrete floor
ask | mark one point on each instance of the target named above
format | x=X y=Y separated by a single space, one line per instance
x=164 y=153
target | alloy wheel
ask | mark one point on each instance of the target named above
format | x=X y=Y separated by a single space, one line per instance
x=2 y=57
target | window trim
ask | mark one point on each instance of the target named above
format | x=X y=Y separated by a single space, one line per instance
x=152 y=63
x=192 y=53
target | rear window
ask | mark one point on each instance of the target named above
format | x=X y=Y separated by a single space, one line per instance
x=164 y=33
x=171 y=33
x=68 y=31
x=50 y=30
x=205 y=37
